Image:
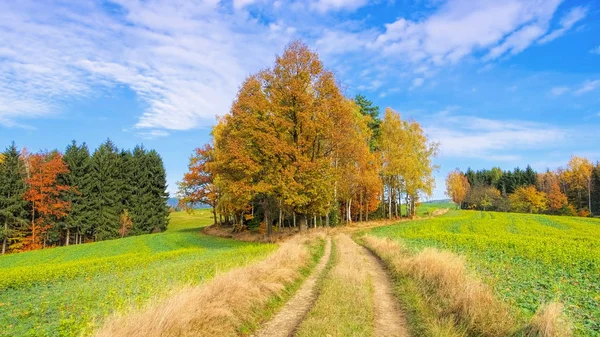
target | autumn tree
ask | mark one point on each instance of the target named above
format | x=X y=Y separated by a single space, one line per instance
x=407 y=161
x=282 y=141
x=528 y=200
x=557 y=200
x=482 y=197
x=198 y=184
x=579 y=177
x=13 y=207
x=457 y=187
x=46 y=196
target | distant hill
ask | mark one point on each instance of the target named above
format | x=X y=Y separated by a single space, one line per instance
x=439 y=201
x=174 y=202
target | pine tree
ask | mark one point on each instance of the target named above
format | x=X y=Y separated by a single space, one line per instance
x=149 y=200
x=105 y=190
x=157 y=190
x=13 y=207
x=367 y=108
x=81 y=217
x=595 y=195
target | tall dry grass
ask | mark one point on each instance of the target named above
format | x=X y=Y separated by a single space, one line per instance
x=222 y=306
x=455 y=294
x=549 y=321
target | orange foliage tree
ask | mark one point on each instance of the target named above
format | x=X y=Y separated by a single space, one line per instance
x=46 y=196
x=198 y=185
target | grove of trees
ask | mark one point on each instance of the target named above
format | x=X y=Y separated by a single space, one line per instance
x=294 y=151
x=573 y=190
x=52 y=199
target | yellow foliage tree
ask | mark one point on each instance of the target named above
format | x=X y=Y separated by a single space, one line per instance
x=579 y=177
x=457 y=187
x=528 y=200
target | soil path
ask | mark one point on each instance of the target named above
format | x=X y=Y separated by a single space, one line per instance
x=285 y=321
x=390 y=321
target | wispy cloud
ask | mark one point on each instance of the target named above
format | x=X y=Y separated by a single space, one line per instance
x=464 y=136
x=327 y=5
x=185 y=60
x=558 y=91
x=575 y=15
x=588 y=86
x=595 y=50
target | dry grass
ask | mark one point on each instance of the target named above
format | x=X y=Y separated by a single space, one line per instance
x=345 y=304
x=222 y=306
x=549 y=321
x=445 y=279
x=459 y=297
x=250 y=236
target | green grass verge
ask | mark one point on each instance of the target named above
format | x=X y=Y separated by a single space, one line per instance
x=68 y=291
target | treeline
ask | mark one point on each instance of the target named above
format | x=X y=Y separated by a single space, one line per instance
x=293 y=151
x=574 y=190
x=53 y=199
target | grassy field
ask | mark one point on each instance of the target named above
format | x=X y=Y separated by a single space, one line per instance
x=68 y=291
x=528 y=259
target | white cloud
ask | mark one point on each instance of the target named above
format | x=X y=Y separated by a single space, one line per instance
x=185 y=60
x=463 y=136
x=417 y=82
x=558 y=91
x=329 y=5
x=595 y=50
x=152 y=134
x=575 y=15
x=461 y=28
x=238 y=4
x=588 y=86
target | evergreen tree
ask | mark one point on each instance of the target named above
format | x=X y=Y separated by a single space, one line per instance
x=367 y=108
x=596 y=190
x=128 y=181
x=81 y=217
x=13 y=207
x=157 y=190
x=149 y=199
x=106 y=187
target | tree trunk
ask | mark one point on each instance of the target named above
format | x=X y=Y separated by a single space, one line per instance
x=383 y=202
x=294 y=218
x=268 y=223
x=303 y=222
x=68 y=236
x=327 y=219
x=400 y=201
x=360 y=207
x=280 y=218
x=214 y=212
x=390 y=203
x=349 y=214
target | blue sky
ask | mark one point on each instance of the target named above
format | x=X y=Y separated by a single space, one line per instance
x=497 y=83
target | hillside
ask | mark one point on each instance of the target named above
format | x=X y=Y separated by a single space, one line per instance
x=71 y=289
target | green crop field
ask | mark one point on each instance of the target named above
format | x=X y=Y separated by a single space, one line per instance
x=68 y=291
x=528 y=259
